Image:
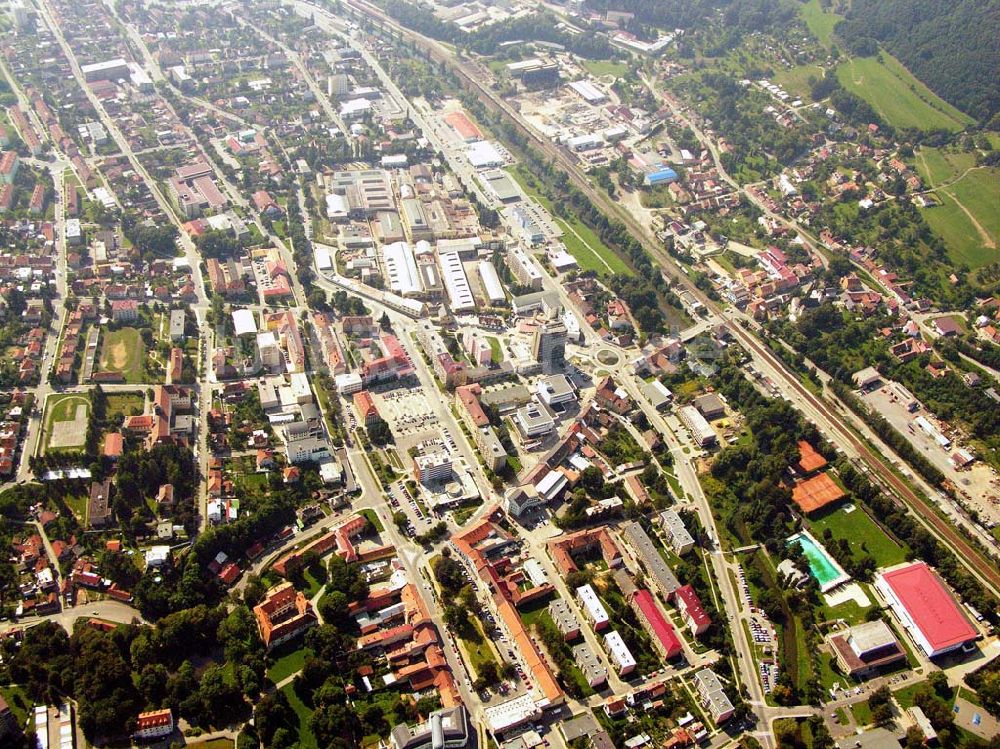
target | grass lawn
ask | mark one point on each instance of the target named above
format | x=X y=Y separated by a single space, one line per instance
x=606 y=67
x=462 y=514
x=905 y=695
x=306 y=738
x=897 y=95
x=60 y=409
x=534 y=612
x=819 y=21
x=122 y=351
x=479 y=653
x=674 y=484
x=862 y=713
x=373 y=519
x=213 y=744
x=121 y=405
x=580 y=241
x=78 y=504
x=496 y=350
x=312 y=584
x=827 y=675
x=802 y=649
x=286 y=661
x=18 y=701
x=588 y=250
x=796 y=80
x=968 y=237
x=862 y=533
x=849 y=611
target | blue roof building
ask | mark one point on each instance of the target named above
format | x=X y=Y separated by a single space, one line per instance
x=662 y=176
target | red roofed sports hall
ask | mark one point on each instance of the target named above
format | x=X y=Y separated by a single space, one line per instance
x=926 y=608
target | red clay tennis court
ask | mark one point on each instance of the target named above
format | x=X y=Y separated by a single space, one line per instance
x=815 y=493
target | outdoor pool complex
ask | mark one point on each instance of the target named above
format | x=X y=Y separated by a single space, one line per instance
x=823 y=567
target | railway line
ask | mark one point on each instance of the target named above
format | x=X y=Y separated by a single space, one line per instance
x=980 y=566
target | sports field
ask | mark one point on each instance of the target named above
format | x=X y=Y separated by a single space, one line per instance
x=897 y=95
x=606 y=67
x=122 y=351
x=66 y=421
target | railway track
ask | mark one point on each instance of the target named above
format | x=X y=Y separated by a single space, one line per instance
x=980 y=566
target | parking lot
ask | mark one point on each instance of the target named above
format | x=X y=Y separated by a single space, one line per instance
x=401 y=500
x=410 y=417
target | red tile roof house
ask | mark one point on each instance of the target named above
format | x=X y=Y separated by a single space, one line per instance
x=365 y=405
x=264 y=203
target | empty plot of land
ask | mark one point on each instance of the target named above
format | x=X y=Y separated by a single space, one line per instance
x=796 y=80
x=66 y=423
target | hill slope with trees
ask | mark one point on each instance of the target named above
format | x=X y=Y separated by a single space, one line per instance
x=953 y=47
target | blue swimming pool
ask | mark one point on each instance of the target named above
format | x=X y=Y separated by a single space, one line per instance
x=823 y=567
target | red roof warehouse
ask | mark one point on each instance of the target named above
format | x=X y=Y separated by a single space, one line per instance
x=926 y=608
x=656 y=623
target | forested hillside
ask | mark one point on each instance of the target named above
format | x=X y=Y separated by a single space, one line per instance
x=953 y=47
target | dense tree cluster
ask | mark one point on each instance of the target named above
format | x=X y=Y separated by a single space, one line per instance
x=760 y=146
x=114 y=675
x=151 y=240
x=218 y=244
x=986 y=682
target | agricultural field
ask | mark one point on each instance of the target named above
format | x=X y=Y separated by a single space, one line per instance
x=939 y=165
x=65 y=422
x=122 y=351
x=967 y=218
x=894 y=92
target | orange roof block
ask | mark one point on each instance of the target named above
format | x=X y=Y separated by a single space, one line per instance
x=809 y=459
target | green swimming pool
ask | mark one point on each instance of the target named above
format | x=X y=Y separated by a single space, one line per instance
x=823 y=567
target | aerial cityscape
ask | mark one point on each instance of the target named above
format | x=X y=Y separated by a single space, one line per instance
x=500 y=374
